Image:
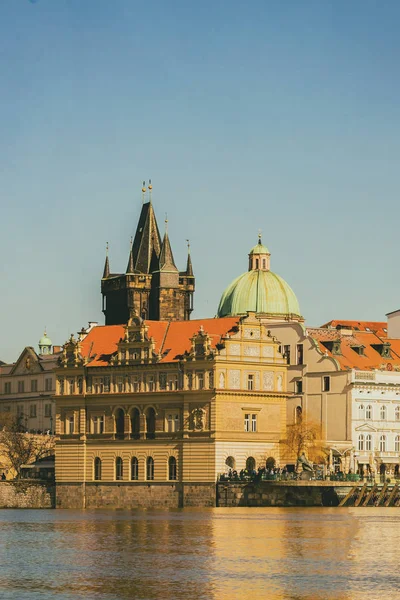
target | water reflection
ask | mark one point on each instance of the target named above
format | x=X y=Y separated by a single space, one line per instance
x=279 y=554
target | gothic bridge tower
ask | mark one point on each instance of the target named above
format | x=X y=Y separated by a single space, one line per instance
x=152 y=285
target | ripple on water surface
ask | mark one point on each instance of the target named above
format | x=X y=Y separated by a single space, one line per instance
x=221 y=554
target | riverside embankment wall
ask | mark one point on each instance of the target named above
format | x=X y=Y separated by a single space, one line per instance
x=27 y=494
x=281 y=493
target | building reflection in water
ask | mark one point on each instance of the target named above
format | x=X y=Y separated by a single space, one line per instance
x=214 y=554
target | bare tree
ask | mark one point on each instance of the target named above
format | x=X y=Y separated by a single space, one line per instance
x=303 y=437
x=18 y=448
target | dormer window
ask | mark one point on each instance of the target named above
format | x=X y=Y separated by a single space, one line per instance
x=358 y=349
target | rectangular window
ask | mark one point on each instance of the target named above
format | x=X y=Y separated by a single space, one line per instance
x=254 y=423
x=151 y=383
x=120 y=385
x=250 y=382
x=172 y=422
x=163 y=381
x=299 y=354
x=21 y=387
x=326 y=383
x=47 y=384
x=299 y=386
x=32 y=411
x=190 y=380
x=70 y=425
x=200 y=380
x=286 y=353
x=98 y=385
x=20 y=411
x=98 y=424
x=47 y=410
x=7 y=387
x=33 y=385
x=247 y=422
x=71 y=383
x=136 y=385
x=173 y=383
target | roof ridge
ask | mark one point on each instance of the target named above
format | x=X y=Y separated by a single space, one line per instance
x=165 y=335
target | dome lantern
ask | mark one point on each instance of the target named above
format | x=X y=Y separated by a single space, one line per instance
x=259 y=257
x=45 y=344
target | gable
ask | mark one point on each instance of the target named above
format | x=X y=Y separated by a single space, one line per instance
x=366 y=428
x=27 y=363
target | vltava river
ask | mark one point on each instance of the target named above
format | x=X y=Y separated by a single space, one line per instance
x=213 y=554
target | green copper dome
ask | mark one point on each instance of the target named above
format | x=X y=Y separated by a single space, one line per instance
x=45 y=341
x=259 y=291
x=259 y=249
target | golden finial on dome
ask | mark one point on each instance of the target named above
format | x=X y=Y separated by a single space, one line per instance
x=150 y=186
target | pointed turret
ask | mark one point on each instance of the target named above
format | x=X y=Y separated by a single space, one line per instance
x=147 y=241
x=106 y=271
x=167 y=262
x=131 y=264
x=189 y=267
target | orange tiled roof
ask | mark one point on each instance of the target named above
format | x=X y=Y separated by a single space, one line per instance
x=172 y=339
x=349 y=358
x=378 y=327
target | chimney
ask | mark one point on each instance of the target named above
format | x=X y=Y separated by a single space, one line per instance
x=393 y=324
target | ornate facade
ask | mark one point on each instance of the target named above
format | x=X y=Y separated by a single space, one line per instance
x=149 y=413
x=152 y=286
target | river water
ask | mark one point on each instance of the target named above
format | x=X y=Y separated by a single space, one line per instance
x=213 y=554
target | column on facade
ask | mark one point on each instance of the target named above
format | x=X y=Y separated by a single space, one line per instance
x=127 y=425
x=185 y=419
x=143 y=426
x=81 y=422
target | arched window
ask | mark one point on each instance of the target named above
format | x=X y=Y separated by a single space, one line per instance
x=230 y=462
x=134 y=468
x=382 y=443
x=149 y=468
x=150 y=423
x=368 y=442
x=383 y=413
x=299 y=414
x=97 y=469
x=119 y=423
x=397 y=413
x=250 y=464
x=361 y=442
x=135 y=423
x=172 y=468
x=368 y=412
x=119 y=469
x=361 y=412
x=397 y=443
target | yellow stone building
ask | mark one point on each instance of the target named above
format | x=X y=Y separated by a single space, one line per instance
x=148 y=414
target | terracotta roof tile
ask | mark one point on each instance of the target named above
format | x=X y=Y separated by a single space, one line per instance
x=171 y=338
x=379 y=327
x=349 y=358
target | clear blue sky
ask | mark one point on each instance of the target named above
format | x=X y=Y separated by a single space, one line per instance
x=265 y=114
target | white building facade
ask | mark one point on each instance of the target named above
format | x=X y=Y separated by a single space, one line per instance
x=376 y=422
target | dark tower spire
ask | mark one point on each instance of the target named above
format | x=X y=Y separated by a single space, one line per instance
x=189 y=267
x=167 y=262
x=147 y=240
x=106 y=271
x=131 y=265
